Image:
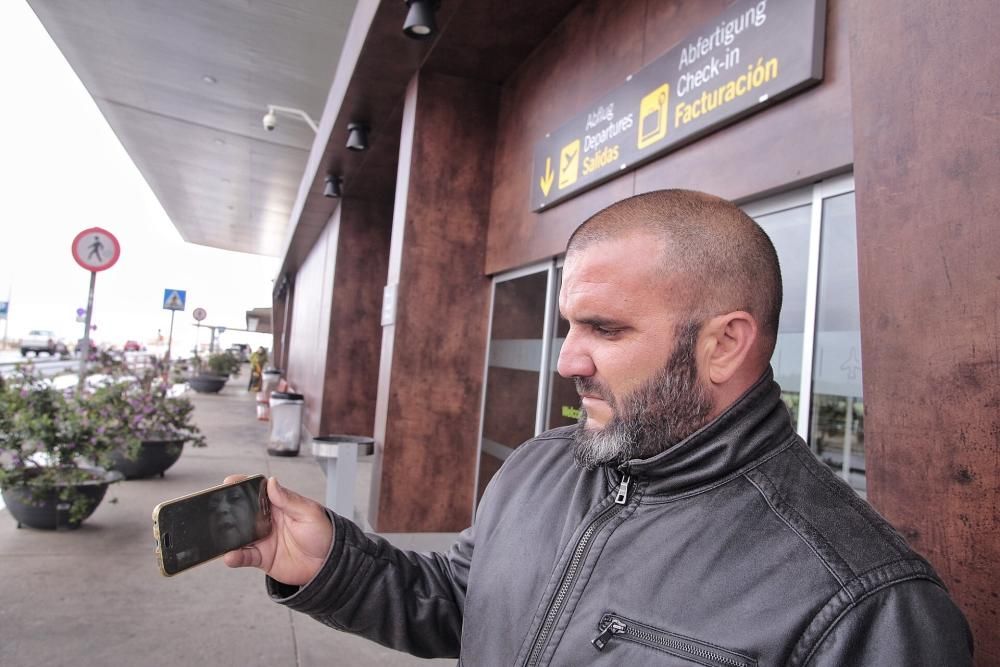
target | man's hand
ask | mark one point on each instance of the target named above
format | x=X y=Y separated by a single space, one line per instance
x=301 y=534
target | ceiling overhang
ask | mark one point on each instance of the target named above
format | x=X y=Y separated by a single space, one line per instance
x=184 y=85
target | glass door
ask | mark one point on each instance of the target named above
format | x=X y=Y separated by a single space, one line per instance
x=837 y=413
x=515 y=358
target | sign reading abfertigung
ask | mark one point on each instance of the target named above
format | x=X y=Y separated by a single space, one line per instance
x=753 y=55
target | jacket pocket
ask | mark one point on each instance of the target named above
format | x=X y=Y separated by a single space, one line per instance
x=618 y=628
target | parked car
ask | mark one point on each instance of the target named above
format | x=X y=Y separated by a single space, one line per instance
x=132 y=346
x=38 y=341
x=78 y=348
x=241 y=351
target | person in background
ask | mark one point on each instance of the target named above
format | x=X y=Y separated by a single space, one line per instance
x=258 y=359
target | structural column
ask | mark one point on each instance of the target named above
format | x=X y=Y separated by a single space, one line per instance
x=277 y=331
x=436 y=309
x=360 y=260
x=927 y=167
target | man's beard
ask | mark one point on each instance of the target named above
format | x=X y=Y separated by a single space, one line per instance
x=667 y=408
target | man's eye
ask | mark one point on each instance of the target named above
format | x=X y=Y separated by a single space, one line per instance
x=605 y=332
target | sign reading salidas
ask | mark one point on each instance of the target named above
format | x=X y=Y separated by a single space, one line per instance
x=754 y=54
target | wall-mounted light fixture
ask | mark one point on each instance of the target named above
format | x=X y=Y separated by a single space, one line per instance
x=419 y=22
x=357 y=136
x=270 y=119
x=331 y=188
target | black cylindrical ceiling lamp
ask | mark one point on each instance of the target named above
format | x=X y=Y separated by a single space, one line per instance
x=419 y=22
x=331 y=188
x=357 y=137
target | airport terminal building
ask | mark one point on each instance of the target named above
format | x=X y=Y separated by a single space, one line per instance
x=423 y=225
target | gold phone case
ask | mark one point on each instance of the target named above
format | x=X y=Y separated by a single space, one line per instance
x=174 y=501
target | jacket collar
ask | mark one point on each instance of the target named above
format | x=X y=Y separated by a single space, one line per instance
x=755 y=424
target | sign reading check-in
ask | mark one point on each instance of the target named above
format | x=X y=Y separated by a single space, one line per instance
x=753 y=55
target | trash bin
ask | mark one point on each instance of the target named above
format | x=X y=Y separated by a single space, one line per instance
x=338 y=456
x=270 y=378
x=286 y=423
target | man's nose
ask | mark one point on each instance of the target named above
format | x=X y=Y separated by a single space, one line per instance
x=574 y=360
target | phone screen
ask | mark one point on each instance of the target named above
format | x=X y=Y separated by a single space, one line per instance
x=204 y=525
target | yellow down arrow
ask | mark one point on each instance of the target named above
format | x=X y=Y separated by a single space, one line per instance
x=546 y=180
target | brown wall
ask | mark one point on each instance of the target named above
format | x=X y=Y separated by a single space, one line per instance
x=286 y=320
x=589 y=55
x=927 y=146
x=310 y=323
x=355 y=331
x=277 y=359
x=425 y=469
x=335 y=320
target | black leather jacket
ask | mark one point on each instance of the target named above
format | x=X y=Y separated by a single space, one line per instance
x=735 y=547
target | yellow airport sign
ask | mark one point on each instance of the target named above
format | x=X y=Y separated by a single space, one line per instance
x=653 y=116
x=569 y=164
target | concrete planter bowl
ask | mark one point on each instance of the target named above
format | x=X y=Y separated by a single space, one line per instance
x=208 y=384
x=153 y=458
x=43 y=508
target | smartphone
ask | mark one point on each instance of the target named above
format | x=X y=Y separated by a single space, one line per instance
x=198 y=527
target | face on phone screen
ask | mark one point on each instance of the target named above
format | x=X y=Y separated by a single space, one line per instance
x=205 y=525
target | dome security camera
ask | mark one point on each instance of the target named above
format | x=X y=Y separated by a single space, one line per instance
x=270 y=121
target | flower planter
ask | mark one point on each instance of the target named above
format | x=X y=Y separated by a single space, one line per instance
x=42 y=508
x=153 y=458
x=208 y=384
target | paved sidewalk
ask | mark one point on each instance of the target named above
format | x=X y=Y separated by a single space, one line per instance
x=95 y=596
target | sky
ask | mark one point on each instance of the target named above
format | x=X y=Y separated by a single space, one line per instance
x=62 y=170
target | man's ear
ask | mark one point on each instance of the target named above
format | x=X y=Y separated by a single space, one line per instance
x=728 y=342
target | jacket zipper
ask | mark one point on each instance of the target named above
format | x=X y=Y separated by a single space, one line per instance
x=569 y=576
x=616 y=626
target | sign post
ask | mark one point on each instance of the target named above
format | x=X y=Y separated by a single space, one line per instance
x=198 y=314
x=94 y=249
x=173 y=300
x=4 y=308
x=215 y=331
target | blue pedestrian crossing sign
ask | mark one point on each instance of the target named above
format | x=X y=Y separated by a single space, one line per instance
x=173 y=299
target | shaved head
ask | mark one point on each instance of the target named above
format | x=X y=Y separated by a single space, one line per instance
x=722 y=257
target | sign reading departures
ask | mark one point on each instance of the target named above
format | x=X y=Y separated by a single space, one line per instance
x=754 y=54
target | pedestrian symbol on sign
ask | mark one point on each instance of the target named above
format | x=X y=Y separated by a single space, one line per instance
x=95 y=249
x=173 y=299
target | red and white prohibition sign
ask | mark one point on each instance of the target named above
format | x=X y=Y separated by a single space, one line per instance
x=96 y=249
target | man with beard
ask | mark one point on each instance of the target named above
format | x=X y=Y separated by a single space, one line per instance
x=682 y=521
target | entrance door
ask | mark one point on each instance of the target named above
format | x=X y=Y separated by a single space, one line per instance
x=515 y=359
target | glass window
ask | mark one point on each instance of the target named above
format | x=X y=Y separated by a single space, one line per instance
x=836 y=430
x=789 y=232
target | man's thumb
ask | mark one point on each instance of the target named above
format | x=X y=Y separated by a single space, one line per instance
x=289 y=502
x=277 y=493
